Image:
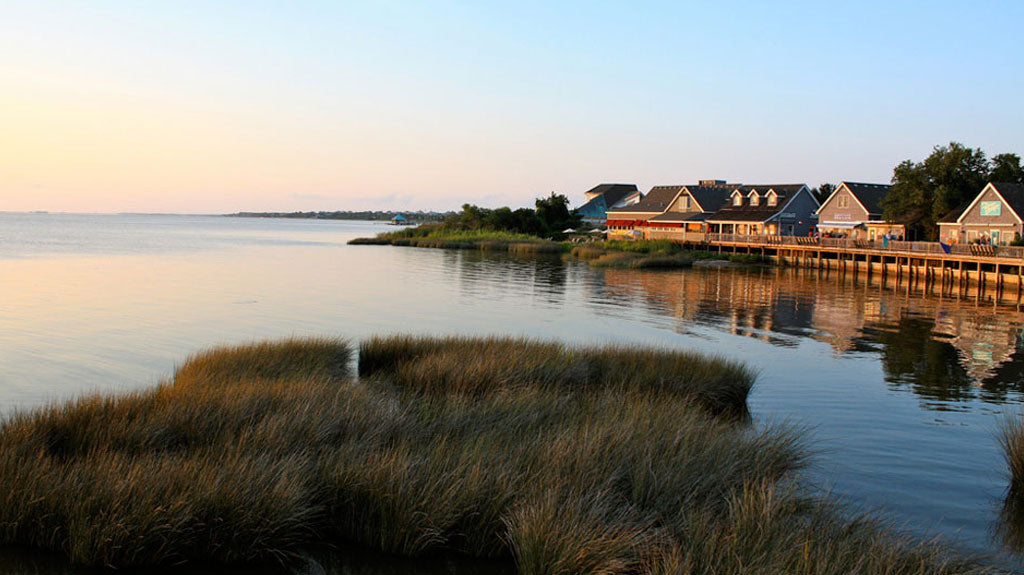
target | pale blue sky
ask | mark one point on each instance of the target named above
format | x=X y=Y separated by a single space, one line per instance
x=191 y=107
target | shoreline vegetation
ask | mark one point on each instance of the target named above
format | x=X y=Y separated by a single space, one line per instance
x=561 y=460
x=522 y=231
x=638 y=254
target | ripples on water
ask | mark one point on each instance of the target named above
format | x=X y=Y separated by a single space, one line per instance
x=902 y=393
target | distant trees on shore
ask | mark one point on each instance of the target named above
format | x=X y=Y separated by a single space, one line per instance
x=418 y=216
x=550 y=216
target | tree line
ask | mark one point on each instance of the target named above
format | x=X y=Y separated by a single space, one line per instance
x=550 y=216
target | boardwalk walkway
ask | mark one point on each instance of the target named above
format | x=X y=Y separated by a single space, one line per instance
x=929 y=262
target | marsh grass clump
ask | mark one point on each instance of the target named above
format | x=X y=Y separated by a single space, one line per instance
x=587 y=252
x=374 y=241
x=1011 y=525
x=642 y=246
x=612 y=460
x=1011 y=439
x=637 y=260
x=476 y=366
x=211 y=466
x=539 y=247
x=484 y=240
x=290 y=358
x=620 y=260
x=664 y=262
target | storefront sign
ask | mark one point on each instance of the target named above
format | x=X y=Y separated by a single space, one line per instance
x=991 y=208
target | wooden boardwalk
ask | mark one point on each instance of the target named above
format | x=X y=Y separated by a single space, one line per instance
x=965 y=268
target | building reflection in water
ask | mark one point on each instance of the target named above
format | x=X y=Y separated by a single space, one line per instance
x=947 y=352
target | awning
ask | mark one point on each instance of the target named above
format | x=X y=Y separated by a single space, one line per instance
x=839 y=225
x=621 y=223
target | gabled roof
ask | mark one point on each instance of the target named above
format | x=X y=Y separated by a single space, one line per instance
x=656 y=201
x=710 y=198
x=612 y=193
x=869 y=196
x=761 y=212
x=1012 y=195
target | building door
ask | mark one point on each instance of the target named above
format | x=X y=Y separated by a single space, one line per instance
x=995 y=237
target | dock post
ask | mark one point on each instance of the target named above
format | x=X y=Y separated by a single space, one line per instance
x=1020 y=268
x=999 y=283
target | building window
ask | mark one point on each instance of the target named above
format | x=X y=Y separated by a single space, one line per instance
x=755 y=199
x=737 y=200
x=772 y=199
x=843 y=201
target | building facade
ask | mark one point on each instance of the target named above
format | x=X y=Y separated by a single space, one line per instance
x=854 y=210
x=771 y=209
x=689 y=209
x=629 y=222
x=993 y=217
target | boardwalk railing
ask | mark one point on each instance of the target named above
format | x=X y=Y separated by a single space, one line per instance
x=893 y=247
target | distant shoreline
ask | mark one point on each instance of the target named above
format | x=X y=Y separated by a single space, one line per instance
x=347 y=215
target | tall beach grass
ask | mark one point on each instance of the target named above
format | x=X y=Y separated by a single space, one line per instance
x=603 y=460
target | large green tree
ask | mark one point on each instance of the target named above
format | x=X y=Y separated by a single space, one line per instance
x=1006 y=168
x=923 y=192
x=555 y=213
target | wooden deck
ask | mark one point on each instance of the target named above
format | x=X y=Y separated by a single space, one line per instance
x=963 y=268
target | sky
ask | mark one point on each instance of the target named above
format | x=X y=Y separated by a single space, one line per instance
x=217 y=107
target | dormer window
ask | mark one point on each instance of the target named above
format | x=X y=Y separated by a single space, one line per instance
x=737 y=199
x=755 y=199
x=773 y=199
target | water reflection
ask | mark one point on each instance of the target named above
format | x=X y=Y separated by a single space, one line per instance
x=946 y=351
x=494 y=275
x=1009 y=529
x=901 y=390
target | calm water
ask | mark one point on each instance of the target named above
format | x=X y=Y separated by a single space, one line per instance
x=902 y=394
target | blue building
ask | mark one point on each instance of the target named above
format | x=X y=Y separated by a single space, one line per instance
x=604 y=197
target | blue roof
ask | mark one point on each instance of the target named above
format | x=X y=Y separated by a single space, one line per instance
x=399 y=217
x=595 y=208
